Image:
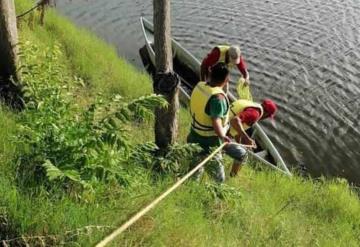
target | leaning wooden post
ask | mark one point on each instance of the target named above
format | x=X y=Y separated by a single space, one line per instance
x=165 y=81
x=10 y=89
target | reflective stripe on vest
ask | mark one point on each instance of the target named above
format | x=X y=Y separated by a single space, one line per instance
x=202 y=122
x=239 y=106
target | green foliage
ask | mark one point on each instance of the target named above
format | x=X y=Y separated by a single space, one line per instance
x=255 y=209
x=74 y=149
x=175 y=161
x=53 y=172
x=7 y=147
x=224 y=192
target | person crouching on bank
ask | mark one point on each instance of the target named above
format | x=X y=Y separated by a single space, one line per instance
x=244 y=114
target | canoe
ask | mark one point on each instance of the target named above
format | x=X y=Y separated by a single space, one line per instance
x=187 y=66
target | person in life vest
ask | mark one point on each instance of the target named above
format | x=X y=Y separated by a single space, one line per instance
x=230 y=55
x=243 y=114
x=209 y=108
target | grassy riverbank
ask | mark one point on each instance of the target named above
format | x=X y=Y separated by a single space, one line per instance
x=257 y=208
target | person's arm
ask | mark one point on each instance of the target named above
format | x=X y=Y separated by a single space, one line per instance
x=243 y=136
x=219 y=130
x=243 y=70
x=249 y=116
x=204 y=71
x=209 y=61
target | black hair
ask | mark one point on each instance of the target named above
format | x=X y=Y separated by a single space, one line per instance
x=219 y=72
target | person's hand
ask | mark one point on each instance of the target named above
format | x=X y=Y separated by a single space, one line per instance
x=249 y=142
x=247 y=82
x=246 y=141
x=253 y=144
x=226 y=139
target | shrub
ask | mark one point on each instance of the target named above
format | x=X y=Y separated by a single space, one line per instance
x=63 y=143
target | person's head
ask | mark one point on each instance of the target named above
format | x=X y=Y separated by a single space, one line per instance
x=269 y=108
x=234 y=54
x=219 y=75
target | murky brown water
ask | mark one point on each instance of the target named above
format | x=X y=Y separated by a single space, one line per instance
x=303 y=54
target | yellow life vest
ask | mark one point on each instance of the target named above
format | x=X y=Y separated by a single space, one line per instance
x=223 y=50
x=237 y=107
x=202 y=122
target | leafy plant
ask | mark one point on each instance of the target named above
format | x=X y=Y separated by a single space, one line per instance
x=223 y=191
x=175 y=161
x=63 y=143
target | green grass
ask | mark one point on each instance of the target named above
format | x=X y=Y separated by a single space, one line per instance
x=270 y=211
x=7 y=128
x=86 y=56
x=258 y=208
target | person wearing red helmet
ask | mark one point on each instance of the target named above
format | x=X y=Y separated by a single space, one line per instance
x=243 y=114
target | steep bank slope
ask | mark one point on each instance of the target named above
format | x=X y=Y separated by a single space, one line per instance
x=257 y=208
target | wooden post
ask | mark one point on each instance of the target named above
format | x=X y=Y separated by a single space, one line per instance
x=10 y=90
x=8 y=40
x=165 y=81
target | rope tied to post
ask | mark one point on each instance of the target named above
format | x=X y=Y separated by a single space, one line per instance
x=37 y=5
x=166 y=82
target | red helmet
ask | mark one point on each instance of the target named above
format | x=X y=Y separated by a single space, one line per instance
x=269 y=107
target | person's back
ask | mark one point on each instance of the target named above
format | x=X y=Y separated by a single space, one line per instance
x=209 y=107
x=243 y=115
x=248 y=111
x=208 y=102
x=230 y=55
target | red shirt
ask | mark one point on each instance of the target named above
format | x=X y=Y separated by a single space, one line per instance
x=249 y=116
x=213 y=57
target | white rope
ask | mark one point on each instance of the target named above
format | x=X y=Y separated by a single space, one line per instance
x=146 y=209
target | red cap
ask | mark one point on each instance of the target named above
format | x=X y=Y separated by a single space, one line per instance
x=269 y=107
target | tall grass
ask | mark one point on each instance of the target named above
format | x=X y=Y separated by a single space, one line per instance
x=268 y=210
x=7 y=128
x=86 y=56
x=258 y=208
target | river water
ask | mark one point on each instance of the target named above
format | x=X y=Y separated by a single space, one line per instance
x=303 y=54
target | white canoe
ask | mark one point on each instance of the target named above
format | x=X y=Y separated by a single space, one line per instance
x=188 y=68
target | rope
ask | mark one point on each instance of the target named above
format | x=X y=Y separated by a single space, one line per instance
x=137 y=216
x=28 y=11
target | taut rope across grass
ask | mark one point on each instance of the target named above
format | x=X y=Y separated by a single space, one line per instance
x=146 y=209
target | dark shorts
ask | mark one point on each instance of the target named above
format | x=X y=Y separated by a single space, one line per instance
x=215 y=167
